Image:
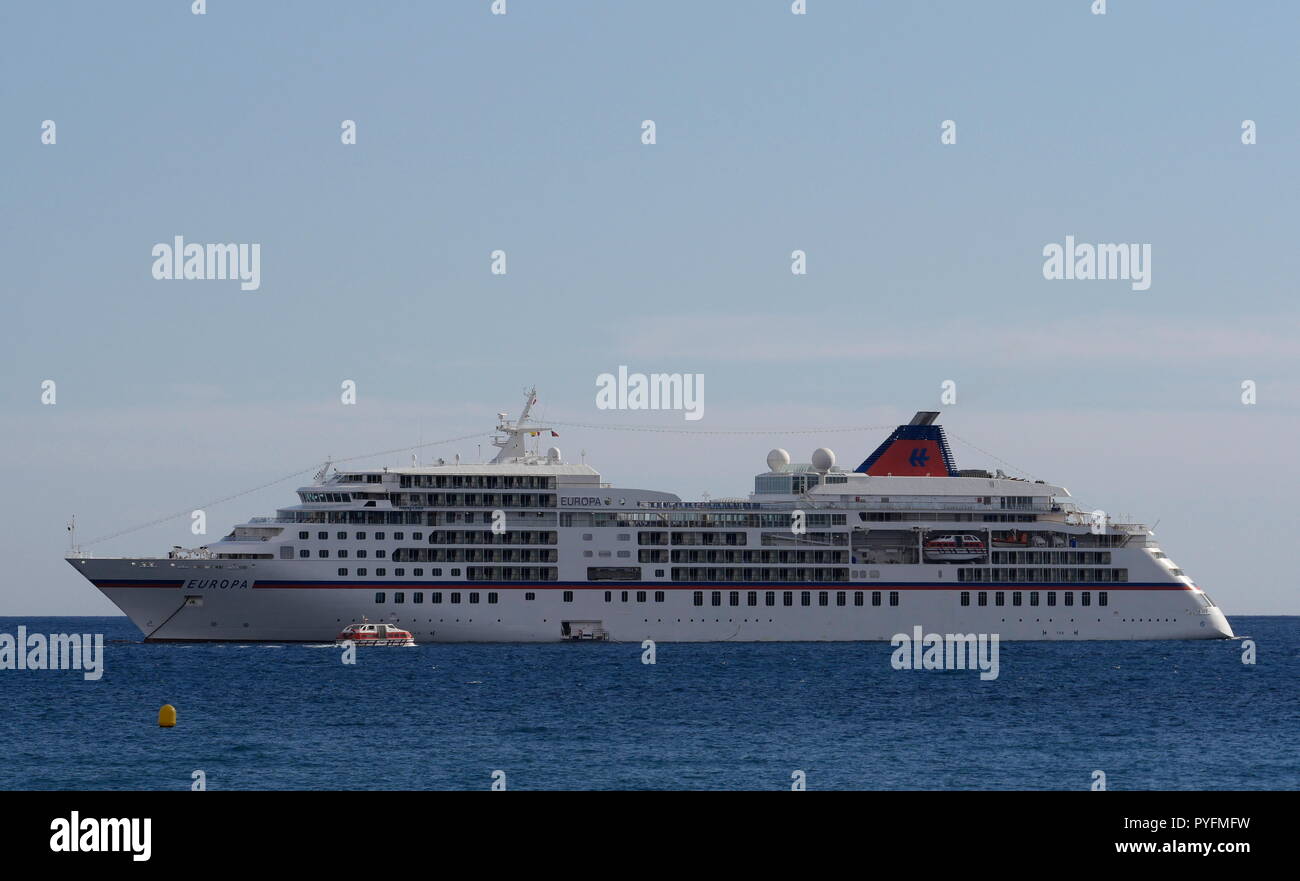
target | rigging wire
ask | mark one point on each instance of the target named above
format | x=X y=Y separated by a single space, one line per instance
x=991 y=456
x=263 y=486
x=722 y=432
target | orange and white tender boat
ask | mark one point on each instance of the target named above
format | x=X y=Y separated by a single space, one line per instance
x=374 y=634
x=954 y=547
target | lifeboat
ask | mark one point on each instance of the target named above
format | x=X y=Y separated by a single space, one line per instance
x=374 y=634
x=954 y=548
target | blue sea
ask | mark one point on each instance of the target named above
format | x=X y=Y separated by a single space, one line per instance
x=1150 y=715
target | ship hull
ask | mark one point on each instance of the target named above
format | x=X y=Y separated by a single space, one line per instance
x=273 y=601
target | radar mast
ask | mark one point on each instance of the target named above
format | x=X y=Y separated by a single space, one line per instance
x=512 y=437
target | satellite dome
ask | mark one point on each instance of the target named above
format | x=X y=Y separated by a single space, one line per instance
x=823 y=459
x=553 y=454
x=777 y=459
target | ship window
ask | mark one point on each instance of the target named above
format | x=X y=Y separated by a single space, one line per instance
x=379 y=597
x=1051 y=597
x=965 y=597
x=530 y=596
x=823 y=598
x=381 y=571
x=473 y=596
x=418 y=573
x=417 y=597
x=609 y=596
x=1033 y=598
x=399 y=597
x=304 y=553
x=659 y=596
x=455 y=596
x=417 y=536
x=379 y=536
x=999 y=599
x=341 y=534
x=568 y=596
x=492 y=596
x=984 y=598
x=435 y=597
x=623 y=596
x=875 y=598
x=613 y=573
x=640 y=596
x=323 y=553
x=343 y=572
x=893 y=598
x=399 y=535
x=437 y=573
x=1085 y=598
x=381 y=554
x=361 y=555
x=734 y=598
x=1069 y=598
x=716 y=598
x=303 y=534
x=787 y=597
x=1016 y=597
x=361 y=571
x=361 y=535
x=455 y=573
x=752 y=598
x=321 y=535
x=699 y=597
x=1102 y=598
x=769 y=598
x=840 y=598
x=805 y=598
x=343 y=554
x=857 y=597
x=659 y=573
x=399 y=572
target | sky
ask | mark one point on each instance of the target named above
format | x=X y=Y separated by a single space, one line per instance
x=523 y=133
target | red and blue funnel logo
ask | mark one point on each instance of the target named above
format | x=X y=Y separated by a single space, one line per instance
x=911 y=451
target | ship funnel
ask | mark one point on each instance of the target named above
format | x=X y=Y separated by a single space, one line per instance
x=918 y=449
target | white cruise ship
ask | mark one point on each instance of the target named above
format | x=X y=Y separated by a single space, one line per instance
x=529 y=548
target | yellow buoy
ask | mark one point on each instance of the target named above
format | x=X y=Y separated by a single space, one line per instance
x=167 y=716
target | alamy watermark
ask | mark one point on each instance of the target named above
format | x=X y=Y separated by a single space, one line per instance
x=76 y=834
x=1110 y=261
x=947 y=651
x=656 y=391
x=209 y=262
x=58 y=651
